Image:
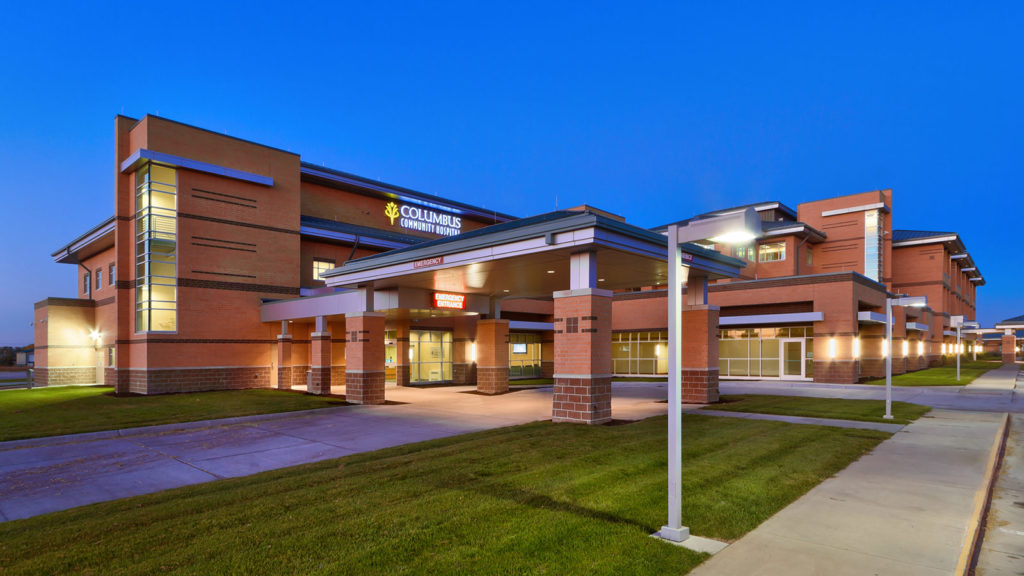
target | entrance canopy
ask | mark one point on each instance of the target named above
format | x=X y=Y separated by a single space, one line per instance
x=533 y=258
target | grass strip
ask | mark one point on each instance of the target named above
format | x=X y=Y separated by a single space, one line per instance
x=836 y=408
x=74 y=409
x=538 y=498
x=941 y=375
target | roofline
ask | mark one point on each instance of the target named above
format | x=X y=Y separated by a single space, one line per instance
x=796 y=228
x=758 y=207
x=208 y=131
x=93 y=234
x=568 y=223
x=393 y=191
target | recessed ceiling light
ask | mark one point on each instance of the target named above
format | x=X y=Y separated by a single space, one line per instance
x=504 y=290
x=551 y=271
x=600 y=279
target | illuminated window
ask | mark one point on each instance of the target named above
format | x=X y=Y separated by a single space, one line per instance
x=86 y=284
x=640 y=353
x=524 y=355
x=156 y=249
x=320 y=266
x=773 y=252
x=99 y=278
x=873 y=230
x=113 y=277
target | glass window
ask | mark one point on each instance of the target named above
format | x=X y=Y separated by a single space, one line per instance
x=113 y=277
x=430 y=356
x=321 y=265
x=86 y=284
x=156 y=249
x=99 y=278
x=640 y=353
x=524 y=355
x=810 y=256
x=772 y=252
x=873 y=231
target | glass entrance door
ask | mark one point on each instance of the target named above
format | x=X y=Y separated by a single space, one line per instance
x=792 y=357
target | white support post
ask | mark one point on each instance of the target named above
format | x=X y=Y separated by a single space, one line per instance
x=675 y=531
x=888 y=359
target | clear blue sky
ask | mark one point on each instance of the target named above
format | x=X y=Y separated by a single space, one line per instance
x=656 y=112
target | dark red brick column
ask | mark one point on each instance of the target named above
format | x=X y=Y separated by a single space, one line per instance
x=699 y=383
x=492 y=356
x=320 y=369
x=463 y=369
x=583 y=356
x=1009 y=348
x=364 y=368
x=402 y=367
x=284 y=362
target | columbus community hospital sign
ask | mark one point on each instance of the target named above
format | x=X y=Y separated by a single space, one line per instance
x=423 y=219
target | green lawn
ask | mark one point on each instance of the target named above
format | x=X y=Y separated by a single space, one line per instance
x=941 y=375
x=538 y=498
x=74 y=409
x=861 y=410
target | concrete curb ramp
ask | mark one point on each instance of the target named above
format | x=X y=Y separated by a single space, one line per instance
x=909 y=507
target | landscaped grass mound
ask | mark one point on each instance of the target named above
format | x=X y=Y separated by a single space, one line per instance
x=537 y=498
x=944 y=375
x=75 y=409
x=842 y=409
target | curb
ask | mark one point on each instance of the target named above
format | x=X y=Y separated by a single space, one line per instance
x=982 y=499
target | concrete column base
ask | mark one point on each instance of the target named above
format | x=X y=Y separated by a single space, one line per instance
x=492 y=380
x=364 y=387
x=582 y=400
x=699 y=386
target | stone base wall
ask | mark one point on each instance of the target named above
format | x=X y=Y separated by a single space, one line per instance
x=899 y=366
x=364 y=387
x=463 y=374
x=67 y=376
x=174 y=380
x=582 y=400
x=699 y=386
x=838 y=371
x=284 y=377
x=338 y=375
x=492 y=380
x=871 y=368
x=299 y=374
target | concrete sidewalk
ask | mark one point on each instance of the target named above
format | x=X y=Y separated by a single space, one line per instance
x=50 y=474
x=1002 y=550
x=904 y=508
x=1002 y=380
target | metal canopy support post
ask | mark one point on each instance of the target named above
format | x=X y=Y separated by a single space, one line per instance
x=674 y=530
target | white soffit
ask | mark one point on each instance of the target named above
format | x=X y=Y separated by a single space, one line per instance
x=863 y=208
x=869 y=317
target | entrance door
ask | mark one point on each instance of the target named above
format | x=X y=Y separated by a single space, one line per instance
x=792 y=357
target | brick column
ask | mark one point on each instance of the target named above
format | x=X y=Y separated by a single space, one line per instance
x=1009 y=348
x=284 y=362
x=583 y=356
x=492 y=356
x=699 y=383
x=402 y=368
x=320 y=365
x=463 y=372
x=364 y=369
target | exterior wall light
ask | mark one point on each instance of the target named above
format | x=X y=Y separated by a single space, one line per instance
x=885 y=348
x=920 y=348
x=856 y=347
x=831 y=347
x=906 y=348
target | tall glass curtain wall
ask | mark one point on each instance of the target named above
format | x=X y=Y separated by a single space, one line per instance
x=524 y=355
x=156 y=249
x=640 y=353
x=756 y=352
x=430 y=356
x=873 y=231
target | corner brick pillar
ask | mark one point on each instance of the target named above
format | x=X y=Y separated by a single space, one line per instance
x=583 y=356
x=492 y=356
x=699 y=382
x=402 y=366
x=320 y=361
x=364 y=370
x=284 y=362
x=1009 y=348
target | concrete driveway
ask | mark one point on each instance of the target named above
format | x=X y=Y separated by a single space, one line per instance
x=49 y=474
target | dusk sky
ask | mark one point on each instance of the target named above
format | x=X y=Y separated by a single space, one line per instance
x=655 y=112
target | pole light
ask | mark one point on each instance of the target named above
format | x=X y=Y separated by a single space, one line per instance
x=960 y=324
x=737 y=227
x=912 y=301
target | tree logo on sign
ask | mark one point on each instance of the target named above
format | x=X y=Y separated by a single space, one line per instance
x=391 y=211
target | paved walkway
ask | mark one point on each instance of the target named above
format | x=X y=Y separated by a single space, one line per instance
x=902 y=509
x=1002 y=380
x=1002 y=550
x=891 y=428
x=50 y=474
